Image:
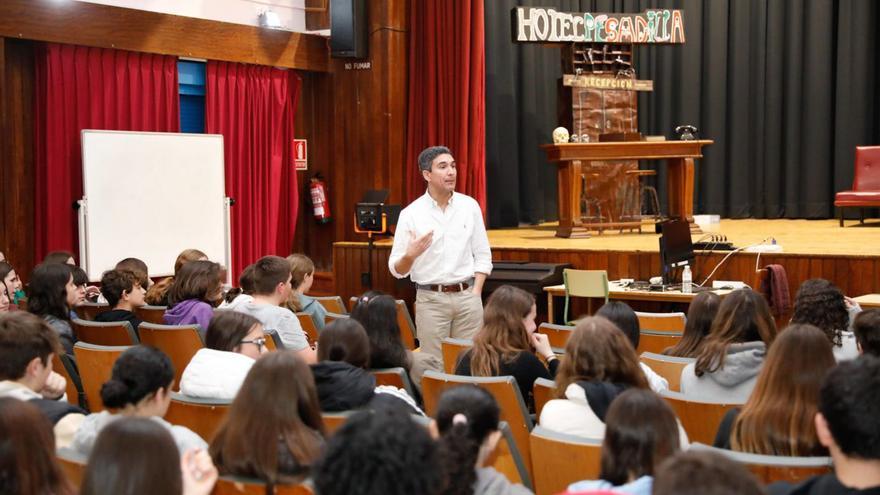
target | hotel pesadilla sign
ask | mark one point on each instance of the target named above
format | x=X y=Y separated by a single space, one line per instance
x=546 y=25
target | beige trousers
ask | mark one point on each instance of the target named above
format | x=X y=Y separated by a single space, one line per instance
x=446 y=314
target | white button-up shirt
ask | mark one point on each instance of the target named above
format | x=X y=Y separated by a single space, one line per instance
x=459 y=247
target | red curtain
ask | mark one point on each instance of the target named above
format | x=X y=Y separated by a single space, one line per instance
x=253 y=108
x=447 y=97
x=89 y=88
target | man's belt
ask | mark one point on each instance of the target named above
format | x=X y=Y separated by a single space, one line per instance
x=459 y=287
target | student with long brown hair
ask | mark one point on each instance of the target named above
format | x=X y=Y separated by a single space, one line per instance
x=599 y=364
x=274 y=430
x=197 y=289
x=700 y=315
x=778 y=417
x=302 y=274
x=508 y=343
x=157 y=294
x=27 y=452
x=728 y=365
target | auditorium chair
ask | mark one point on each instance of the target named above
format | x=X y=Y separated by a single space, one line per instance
x=273 y=340
x=404 y=322
x=656 y=342
x=700 y=418
x=234 y=485
x=203 y=416
x=89 y=310
x=865 y=192
x=334 y=420
x=772 y=468
x=560 y=459
x=308 y=326
x=395 y=377
x=503 y=388
x=73 y=464
x=542 y=390
x=110 y=333
x=151 y=314
x=669 y=367
x=64 y=366
x=333 y=304
x=179 y=342
x=662 y=322
x=451 y=349
x=95 y=365
x=557 y=334
x=584 y=283
x=329 y=317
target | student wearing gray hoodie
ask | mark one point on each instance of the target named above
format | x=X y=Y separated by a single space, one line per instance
x=728 y=365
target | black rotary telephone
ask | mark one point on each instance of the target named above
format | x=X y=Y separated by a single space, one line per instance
x=686 y=132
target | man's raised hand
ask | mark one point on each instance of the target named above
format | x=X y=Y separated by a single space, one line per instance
x=418 y=245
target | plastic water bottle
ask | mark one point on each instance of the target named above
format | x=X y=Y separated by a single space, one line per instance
x=686 y=280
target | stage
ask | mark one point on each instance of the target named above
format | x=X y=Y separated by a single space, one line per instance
x=848 y=256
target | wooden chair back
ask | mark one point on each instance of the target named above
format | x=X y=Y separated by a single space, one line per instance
x=771 y=468
x=334 y=420
x=507 y=459
x=503 y=388
x=451 y=350
x=202 y=416
x=73 y=464
x=662 y=322
x=95 y=365
x=63 y=365
x=404 y=322
x=333 y=304
x=669 y=367
x=179 y=342
x=89 y=310
x=656 y=342
x=559 y=460
x=273 y=340
x=110 y=333
x=700 y=419
x=233 y=485
x=395 y=377
x=543 y=391
x=333 y=316
x=308 y=326
x=151 y=314
x=558 y=335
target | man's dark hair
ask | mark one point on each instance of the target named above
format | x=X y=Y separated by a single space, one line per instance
x=269 y=271
x=850 y=403
x=427 y=156
x=704 y=473
x=867 y=329
x=114 y=283
x=382 y=451
x=23 y=337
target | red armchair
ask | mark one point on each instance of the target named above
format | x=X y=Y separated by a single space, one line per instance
x=865 y=191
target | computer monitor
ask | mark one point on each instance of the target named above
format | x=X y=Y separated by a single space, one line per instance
x=676 y=247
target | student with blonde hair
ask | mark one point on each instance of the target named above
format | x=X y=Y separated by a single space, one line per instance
x=302 y=275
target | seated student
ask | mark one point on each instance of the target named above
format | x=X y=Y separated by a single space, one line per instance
x=302 y=274
x=821 y=304
x=4 y=299
x=81 y=281
x=700 y=315
x=341 y=377
x=196 y=290
x=27 y=345
x=157 y=294
x=508 y=343
x=379 y=451
x=467 y=427
x=377 y=312
x=704 y=473
x=626 y=320
x=599 y=364
x=139 y=268
x=52 y=295
x=274 y=430
x=60 y=257
x=733 y=353
x=641 y=433
x=140 y=385
x=123 y=292
x=233 y=343
x=136 y=456
x=847 y=425
x=778 y=417
x=271 y=275
x=27 y=452
x=13 y=284
x=243 y=294
x=867 y=330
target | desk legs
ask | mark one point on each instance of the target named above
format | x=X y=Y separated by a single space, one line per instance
x=550 y=308
x=568 y=180
x=680 y=190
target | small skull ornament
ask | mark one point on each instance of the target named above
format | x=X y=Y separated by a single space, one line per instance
x=560 y=135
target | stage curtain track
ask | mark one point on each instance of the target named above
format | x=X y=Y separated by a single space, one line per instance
x=786 y=89
x=89 y=88
x=253 y=108
x=447 y=91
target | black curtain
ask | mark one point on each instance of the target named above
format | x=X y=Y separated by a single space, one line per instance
x=785 y=88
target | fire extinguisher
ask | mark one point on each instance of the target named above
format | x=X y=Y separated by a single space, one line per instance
x=320 y=203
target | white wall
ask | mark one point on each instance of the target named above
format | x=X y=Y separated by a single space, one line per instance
x=291 y=13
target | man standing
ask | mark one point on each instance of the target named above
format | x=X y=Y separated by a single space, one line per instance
x=441 y=244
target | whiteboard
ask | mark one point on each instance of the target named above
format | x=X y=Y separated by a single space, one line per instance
x=150 y=195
